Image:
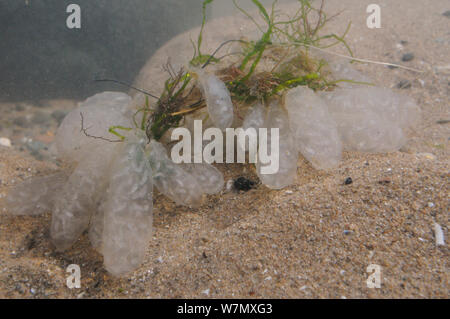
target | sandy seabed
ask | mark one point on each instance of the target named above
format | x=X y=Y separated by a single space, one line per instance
x=314 y=239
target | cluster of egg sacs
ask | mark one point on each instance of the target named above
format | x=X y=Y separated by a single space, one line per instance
x=108 y=190
x=320 y=126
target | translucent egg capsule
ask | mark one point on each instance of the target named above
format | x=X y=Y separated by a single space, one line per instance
x=77 y=200
x=172 y=180
x=127 y=211
x=287 y=151
x=218 y=100
x=35 y=195
x=92 y=118
x=209 y=178
x=254 y=119
x=313 y=128
x=372 y=119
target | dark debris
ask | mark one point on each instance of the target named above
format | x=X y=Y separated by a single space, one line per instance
x=243 y=184
x=348 y=181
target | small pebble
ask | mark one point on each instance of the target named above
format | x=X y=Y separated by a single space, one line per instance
x=206 y=292
x=446 y=14
x=5 y=142
x=404 y=84
x=81 y=295
x=439 y=235
x=19 y=288
x=229 y=185
x=303 y=288
x=442 y=68
x=407 y=57
x=428 y=156
x=348 y=181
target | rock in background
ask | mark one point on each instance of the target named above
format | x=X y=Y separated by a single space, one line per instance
x=43 y=59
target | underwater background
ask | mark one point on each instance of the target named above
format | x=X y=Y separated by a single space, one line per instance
x=41 y=58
